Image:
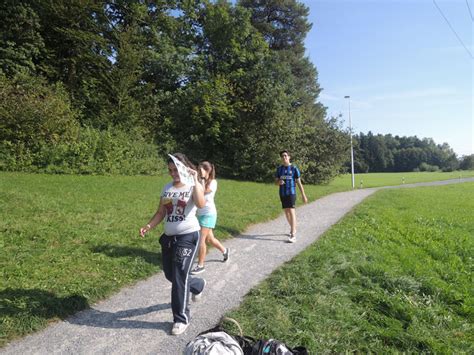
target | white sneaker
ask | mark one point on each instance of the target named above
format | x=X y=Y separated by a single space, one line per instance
x=179 y=328
x=292 y=238
x=197 y=297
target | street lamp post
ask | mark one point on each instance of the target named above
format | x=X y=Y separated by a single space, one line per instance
x=352 y=150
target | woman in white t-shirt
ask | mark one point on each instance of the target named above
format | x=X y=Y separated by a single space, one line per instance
x=207 y=216
x=178 y=206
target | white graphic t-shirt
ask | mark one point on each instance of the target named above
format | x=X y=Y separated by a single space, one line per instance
x=210 y=207
x=180 y=210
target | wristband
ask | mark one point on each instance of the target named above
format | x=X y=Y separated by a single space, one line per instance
x=148 y=226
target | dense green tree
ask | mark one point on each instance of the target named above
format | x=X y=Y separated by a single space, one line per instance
x=445 y=158
x=409 y=159
x=125 y=90
x=283 y=23
x=467 y=162
x=20 y=39
x=242 y=103
x=323 y=151
x=378 y=156
x=77 y=49
x=218 y=107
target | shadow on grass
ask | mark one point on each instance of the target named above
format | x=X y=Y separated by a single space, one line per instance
x=116 y=320
x=36 y=303
x=116 y=251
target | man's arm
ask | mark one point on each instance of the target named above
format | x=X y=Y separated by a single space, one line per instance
x=300 y=186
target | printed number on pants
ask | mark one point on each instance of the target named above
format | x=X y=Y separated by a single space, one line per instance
x=183 y=252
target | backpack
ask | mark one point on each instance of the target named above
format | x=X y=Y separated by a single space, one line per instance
x=217 y=341
x=275 y=347
x=213 y=343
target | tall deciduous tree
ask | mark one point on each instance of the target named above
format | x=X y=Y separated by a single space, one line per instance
x=77 y=49
x=215 y=111
x=467 y=162
x=20 y=40
x=317 y=144
x=283 y=23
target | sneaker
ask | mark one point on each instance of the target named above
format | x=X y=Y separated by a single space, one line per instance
x=179 y=328
x=226 y=254
x=197 y=270
x=197 y=297
x=292 y=238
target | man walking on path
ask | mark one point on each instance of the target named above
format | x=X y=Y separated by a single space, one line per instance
x=287 y=176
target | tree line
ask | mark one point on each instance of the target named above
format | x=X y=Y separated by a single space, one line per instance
x=111 y=86
x=217 y=80
x=388 y=153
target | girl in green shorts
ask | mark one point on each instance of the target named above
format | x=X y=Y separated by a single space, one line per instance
x=207 y=216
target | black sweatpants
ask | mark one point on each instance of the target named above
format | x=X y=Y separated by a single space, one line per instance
x=178 y=253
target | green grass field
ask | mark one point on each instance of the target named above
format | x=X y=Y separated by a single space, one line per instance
x=395 y=276
x=392 y=179
x=69 y=241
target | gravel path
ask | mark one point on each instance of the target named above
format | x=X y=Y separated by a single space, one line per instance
x=138 y=319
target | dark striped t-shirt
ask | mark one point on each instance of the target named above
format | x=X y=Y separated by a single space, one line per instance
x=289 y=174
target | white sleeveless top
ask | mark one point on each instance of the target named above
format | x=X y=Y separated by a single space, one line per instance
x=180 y=210
x=210 y=207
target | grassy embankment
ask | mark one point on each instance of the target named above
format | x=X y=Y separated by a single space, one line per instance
x=68 y=241
x=394 y=276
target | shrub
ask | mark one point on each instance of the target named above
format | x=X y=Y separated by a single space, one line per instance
x=428 y=167
x=467 y=162
x=110 y=151
x=33 y=113
x=39 y=132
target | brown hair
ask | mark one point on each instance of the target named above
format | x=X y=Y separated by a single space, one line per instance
x=209 y=168
x=284 y=151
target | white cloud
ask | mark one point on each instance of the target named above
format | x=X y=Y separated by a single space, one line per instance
x=414 y=94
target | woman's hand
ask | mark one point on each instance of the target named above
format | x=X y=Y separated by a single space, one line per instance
x=144 y=230
x=194 y=174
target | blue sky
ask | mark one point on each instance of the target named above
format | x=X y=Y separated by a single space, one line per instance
x=405 y=70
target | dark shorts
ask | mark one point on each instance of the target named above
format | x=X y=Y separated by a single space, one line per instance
x=288 y=201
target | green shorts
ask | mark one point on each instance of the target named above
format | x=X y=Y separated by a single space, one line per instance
x=207 y=220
